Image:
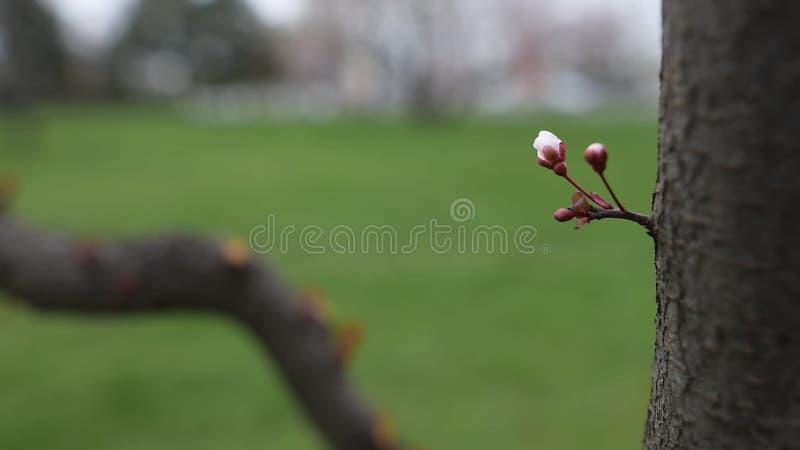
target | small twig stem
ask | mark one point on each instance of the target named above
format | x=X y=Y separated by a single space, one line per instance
x=611 y=191
x=641 y=219
x=580 y=188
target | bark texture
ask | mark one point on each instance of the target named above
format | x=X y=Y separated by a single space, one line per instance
x=727 y=366
x=51 y=272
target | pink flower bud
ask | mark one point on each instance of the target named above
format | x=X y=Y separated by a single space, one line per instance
x=601 y=201
x=596 y=155
x=580 y=205
x=551 y=152
x=547 y=139
x=563 y=215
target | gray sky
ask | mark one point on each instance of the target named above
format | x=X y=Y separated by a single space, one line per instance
x=92 y=22
x=95 y=21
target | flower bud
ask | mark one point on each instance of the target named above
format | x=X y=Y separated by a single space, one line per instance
x=600 y=201
x=563 y=215
x=550 y=149
x=596 y=155
x=560 y=169
x=580 y=205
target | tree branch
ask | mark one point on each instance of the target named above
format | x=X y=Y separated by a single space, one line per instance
x=641 y=219
x=178 y=272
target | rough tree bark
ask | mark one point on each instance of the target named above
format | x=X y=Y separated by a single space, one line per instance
x=727 y=366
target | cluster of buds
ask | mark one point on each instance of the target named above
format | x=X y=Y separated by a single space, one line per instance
x=552 y=154
x=580 y=210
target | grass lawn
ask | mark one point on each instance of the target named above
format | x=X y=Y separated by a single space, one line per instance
x=470 y=352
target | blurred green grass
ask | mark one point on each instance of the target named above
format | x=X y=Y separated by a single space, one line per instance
x=542 y=351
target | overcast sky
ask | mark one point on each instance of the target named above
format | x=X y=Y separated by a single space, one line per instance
x=95 y=21
x=92 y=22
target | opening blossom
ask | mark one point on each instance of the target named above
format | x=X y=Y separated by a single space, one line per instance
x=551 y=152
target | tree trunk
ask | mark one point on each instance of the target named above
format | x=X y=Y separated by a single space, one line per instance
x=727 y=365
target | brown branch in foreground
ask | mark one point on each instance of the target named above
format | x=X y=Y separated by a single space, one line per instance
x=641 y=219
x=54 y=273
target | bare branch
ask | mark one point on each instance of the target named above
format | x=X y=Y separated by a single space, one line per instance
x=641 y=219
x=178 y=272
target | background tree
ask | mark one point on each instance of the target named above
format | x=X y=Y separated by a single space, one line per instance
x=33 y=61
x=170 y=45
x=33 y=65
x=727 y=364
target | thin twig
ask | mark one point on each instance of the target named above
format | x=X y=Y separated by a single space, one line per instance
x=611 y=191
x=641 y=219
x=580 y=188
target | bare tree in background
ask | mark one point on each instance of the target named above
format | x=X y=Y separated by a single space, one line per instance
x=33 y=61
x=430 y=57
x=33 y=65
x=169 y=45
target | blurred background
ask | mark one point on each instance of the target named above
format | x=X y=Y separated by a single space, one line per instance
x=128 y=117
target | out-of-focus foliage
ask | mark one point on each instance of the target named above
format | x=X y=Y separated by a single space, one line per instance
x=172 y=44
x=32 y=58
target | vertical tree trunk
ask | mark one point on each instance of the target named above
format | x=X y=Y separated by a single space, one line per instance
x=727 y=366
